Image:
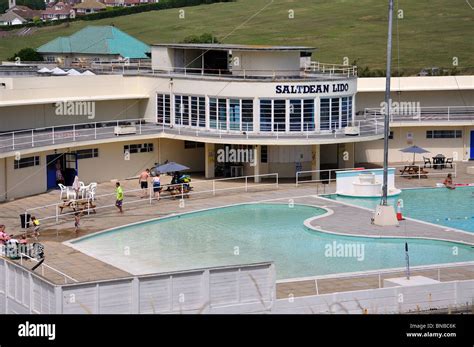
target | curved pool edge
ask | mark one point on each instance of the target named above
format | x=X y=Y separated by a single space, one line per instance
x=339 y=233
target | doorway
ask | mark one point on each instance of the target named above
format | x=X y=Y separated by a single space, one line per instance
x=471 y=157
x=66 y=163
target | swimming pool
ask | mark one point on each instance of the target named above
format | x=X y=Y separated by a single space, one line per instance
x=252 y=233
x=451 y=208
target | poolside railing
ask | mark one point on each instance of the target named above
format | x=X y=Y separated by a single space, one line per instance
x=53 y=211
x=326 y=177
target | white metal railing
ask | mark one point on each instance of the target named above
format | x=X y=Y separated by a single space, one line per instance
x=71 y=133
x=408 y=170
x=38 y=137
x=45 y=211
x=380 y=273
x=42 y=266
x=318 y=173
x=406 y=111
x=332 y=69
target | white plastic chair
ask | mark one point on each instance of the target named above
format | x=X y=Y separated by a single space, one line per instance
x=91 y=193
x=64 y=190
x=83 y=189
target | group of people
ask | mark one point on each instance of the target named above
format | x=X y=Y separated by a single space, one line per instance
x=155 y=181
x=11 y=243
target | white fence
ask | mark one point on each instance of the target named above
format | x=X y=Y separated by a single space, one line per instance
x=228 y=289
x=441 y=295
x=210 y=188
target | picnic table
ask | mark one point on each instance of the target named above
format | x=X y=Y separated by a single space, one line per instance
x=78 y=205
x=413 y=171
x=439 y=162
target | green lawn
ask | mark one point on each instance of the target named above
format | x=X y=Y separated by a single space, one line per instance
x=431 y=33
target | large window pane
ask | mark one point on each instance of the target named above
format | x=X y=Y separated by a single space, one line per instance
x=295 y=115
x=167 y=108
x=308 y=115
x=335 y=116
x=265 y=115
x=202 y=112
x=213 y=113
x=222 y=114
x=178 y=110
x=194 y=111
x=324 y=114
x=279 y=115
x=247 y=115
x=234 y=114
x=345 y=112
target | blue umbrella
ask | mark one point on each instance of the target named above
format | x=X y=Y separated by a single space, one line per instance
x=414 y=150
x=170 y=167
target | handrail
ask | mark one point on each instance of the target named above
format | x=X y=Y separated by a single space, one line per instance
x=24 y=255
x=11 y=141
x=419 y=173
x=151 y=197
x=409 y=112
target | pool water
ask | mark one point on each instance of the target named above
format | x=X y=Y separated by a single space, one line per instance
x=252 y=233
x=451 y=208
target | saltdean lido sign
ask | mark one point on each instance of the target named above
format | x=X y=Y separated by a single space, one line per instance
x=312 y=88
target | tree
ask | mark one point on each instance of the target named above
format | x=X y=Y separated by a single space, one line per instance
x=203 y=38
x=27 y=54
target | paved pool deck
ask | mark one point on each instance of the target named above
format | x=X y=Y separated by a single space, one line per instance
x=85 y=268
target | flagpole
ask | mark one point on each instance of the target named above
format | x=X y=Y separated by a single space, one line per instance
x=387 y=105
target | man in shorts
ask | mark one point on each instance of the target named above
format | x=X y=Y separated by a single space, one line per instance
x=119 y=196
x=143 y=181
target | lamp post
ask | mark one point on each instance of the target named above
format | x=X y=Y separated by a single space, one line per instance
x=387 y=105
x=385 y=214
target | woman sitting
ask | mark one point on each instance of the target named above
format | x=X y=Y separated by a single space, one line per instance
x=448 y=182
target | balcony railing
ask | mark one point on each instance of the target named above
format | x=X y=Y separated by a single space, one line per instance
x=407 y=112
x=63 y=134
x=312 y=71
x=331 y=69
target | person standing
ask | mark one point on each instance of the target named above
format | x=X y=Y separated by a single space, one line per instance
x=119 y=196
x=143 y=181
x=77 y=220
x=76 y=186
x=156 y=186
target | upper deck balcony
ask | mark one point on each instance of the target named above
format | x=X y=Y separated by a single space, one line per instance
x=243 y=62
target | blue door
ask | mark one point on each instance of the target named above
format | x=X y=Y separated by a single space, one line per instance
x=472 y=145
x=66 y=163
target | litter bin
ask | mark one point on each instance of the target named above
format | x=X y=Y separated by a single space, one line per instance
x=25 y=220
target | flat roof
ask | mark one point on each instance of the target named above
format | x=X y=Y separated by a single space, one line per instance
x=225 y=47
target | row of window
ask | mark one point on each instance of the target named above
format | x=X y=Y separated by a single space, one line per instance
x=138 y=148
x=35 y=160
x=237 y=114
x=444 y=134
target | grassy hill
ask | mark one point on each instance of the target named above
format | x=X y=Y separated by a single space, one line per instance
x=431 y=32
